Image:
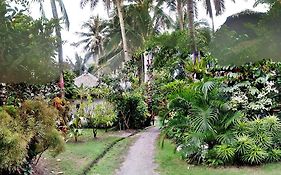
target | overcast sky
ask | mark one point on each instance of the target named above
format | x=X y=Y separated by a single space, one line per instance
x=77 y=16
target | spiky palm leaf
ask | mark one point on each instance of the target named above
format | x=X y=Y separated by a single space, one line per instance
x=203 y=119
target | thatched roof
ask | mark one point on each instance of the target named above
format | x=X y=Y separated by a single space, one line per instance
x=86 y=80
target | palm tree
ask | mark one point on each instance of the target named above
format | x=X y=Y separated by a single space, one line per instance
x=142 y=20
x=93 y=38
x=119 y=5
x=57 y=27
x=178 y=6
x=191 y=29
x=209 y=11
x=219 y=8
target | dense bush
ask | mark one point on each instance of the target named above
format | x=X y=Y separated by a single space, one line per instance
x=17 y=93
x=131 y=110
x=27 y=132
x=103 y=115
x=70 y=89
x=229 y=119
x=128 y=98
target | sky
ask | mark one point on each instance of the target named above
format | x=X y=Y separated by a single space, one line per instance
x=77 y=16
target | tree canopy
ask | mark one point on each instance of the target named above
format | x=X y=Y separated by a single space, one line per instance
x=27 y=47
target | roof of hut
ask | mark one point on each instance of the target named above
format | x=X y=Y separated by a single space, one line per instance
x=86 y=80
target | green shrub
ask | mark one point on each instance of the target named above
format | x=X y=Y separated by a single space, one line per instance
x=255 y=155
x=27 y=132
x=103 y=116
x=243 y=144
x=12 y=142
x=274 y=155
x=212 y=127
x=131 y=110
x=225 y=153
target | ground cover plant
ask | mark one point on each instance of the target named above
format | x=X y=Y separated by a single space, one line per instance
x=170 y=163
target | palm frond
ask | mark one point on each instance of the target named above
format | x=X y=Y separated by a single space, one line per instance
x=93 y=3
x=203 y=119
x=219 y=6
x=41 y=8
x=64 y=14
x=226 y=138
x=233 y=119
x=207 y=87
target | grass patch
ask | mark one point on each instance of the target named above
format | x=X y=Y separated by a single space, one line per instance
x=78 y=155
x=113 y=159
x=170 y=163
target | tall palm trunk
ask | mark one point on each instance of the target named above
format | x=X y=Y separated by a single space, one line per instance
x=213 y=24
x=180 y=14
x=59 y=44
x=190 y=9
x=119 y=4
x=210 y=11
x=58 y=34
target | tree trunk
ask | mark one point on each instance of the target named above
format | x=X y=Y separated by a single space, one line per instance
x=58 y=34
x=59 y=42
x=190 y=6
x=210 y=11
x=180 y=14
x=213 y=24
x=94 y=132
x=119 y=4
x=141 y=69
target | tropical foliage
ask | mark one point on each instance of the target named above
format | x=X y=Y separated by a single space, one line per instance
x=27 y=47
x=226 y=119
x=26 y=133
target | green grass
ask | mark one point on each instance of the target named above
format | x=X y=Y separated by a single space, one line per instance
x=170 y=163
x=78 y=155
x=113 y=159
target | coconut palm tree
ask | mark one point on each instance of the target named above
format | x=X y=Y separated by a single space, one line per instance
x=142 y=20
x=179 y=7
x=219 y=7
x=191 y=29
x=119 y=6
x=93 y=38
x=65 y=19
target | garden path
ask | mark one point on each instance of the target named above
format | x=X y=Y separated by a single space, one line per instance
x=140 y=158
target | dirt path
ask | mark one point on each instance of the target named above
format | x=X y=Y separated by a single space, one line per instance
x=140 y=158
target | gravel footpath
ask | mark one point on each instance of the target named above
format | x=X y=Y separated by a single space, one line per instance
x=140 y=158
